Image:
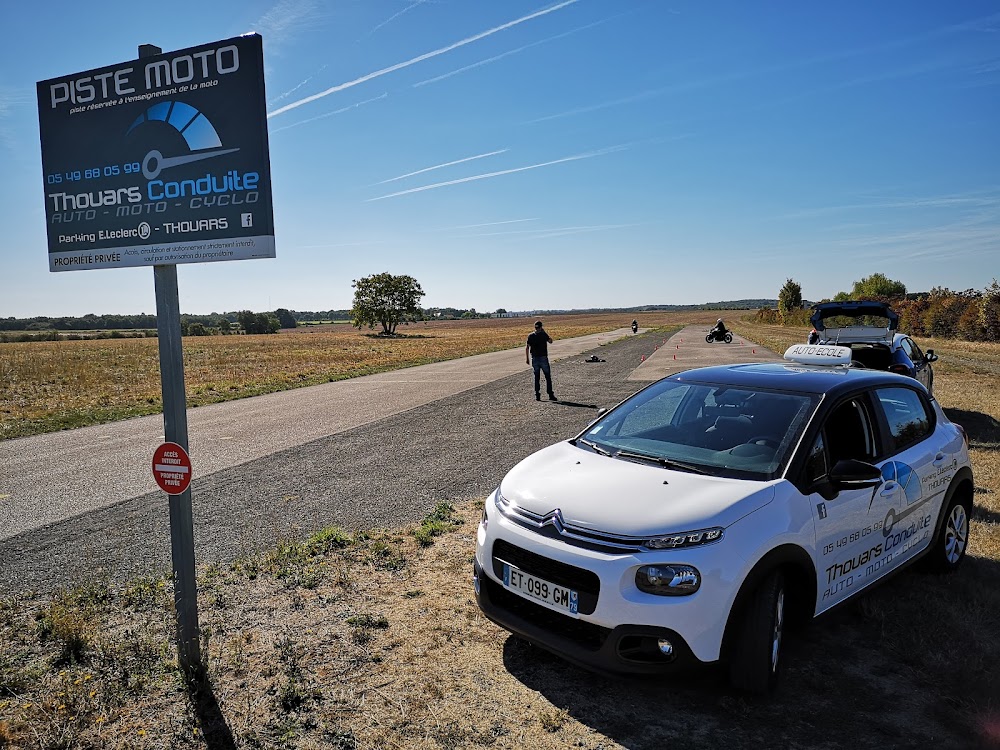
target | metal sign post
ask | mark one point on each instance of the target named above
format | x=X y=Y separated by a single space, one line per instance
x=175 y=430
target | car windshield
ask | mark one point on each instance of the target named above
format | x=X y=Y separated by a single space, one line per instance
x=705 y=428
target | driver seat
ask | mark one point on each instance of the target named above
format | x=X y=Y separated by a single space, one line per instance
x=727 y=432
x=773 y=416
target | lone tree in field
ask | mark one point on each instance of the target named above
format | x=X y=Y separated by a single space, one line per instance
x=878 y=285
x=285 y=318
x=385 y=299
x=790 y=297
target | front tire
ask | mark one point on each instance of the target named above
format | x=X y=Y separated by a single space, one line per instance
x=755 y=660
x=729 y=338
x=708 y=339
x=952 y=541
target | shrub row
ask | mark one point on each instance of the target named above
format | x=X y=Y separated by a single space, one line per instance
x=19 y=338
x=970 y=315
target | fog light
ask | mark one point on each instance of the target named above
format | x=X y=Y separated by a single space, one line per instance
x=666 y=647
x=668 y=580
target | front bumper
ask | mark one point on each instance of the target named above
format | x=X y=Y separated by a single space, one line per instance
x=623 y=650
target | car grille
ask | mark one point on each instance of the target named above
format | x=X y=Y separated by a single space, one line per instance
x=584 y=582
x=552 y=526
x=584 y=634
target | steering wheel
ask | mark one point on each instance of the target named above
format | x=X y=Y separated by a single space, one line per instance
x=765 y=440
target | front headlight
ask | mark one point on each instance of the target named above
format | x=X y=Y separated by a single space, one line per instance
x=668 y=580
x=687 y=539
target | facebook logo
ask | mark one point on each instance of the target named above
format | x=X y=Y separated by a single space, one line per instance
x=247 y=219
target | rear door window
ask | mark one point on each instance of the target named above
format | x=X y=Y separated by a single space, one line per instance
x=906 y=415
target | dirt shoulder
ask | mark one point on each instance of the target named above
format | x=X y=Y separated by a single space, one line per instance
x=375 y=641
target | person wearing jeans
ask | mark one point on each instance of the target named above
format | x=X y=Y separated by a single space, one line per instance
x=536 y=353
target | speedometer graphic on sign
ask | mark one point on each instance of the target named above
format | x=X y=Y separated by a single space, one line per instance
x=193 y=128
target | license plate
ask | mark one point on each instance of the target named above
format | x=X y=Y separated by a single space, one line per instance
x=537 y=589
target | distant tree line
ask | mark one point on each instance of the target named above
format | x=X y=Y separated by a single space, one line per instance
x=89 y=322
x=307 y=316
x=202 y=325
x=971 y=315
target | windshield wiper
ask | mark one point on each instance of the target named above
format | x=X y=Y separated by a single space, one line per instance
x=666 y=463
x=593 y=446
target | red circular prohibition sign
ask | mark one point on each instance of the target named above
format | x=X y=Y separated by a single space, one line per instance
x=172 y=468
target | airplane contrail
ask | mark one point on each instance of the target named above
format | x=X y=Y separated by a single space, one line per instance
x=393 y=17
x=441 y=166
x=577 y=157
x=514 y=51
x=487 y=224
x=295 y=88
x=421 y=58
x=384 y=95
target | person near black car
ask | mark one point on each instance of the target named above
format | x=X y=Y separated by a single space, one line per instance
x=537 y=348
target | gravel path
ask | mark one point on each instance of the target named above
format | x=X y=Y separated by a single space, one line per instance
x=380 y=475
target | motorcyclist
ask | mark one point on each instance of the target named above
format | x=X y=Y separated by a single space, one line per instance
x=720 y=328
x=813 y=336
x=635 y=326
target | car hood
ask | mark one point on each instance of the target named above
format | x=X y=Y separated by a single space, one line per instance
x=613 y=495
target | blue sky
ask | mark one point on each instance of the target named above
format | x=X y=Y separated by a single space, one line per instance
x=584 y=153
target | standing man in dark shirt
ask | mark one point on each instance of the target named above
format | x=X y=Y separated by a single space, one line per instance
x=538 y=349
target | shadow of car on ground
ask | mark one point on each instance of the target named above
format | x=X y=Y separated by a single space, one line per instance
x=872 y=670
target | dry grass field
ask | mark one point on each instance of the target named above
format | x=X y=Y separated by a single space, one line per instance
x=375 y=642
x=54 y=385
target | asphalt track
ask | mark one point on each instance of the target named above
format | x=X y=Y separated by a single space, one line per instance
x=372 y=452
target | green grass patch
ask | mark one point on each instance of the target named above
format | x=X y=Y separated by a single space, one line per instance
x=372 y=622
x=439 y=521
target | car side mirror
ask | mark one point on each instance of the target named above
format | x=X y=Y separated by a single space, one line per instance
x=851 y=474
x=847 y=474
x=930 y=356
x=600 y=413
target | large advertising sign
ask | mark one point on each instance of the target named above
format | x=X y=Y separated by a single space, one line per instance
x=160 y=160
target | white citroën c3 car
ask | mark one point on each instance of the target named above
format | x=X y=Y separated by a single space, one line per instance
x=687 y=524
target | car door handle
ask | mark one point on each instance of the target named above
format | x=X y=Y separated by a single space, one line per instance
x=889 y=489
x=939 y=460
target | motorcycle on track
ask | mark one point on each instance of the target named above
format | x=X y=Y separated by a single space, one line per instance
x=714 y=335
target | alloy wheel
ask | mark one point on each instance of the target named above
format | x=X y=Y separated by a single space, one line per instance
x=779 y=621
x=956 y=534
